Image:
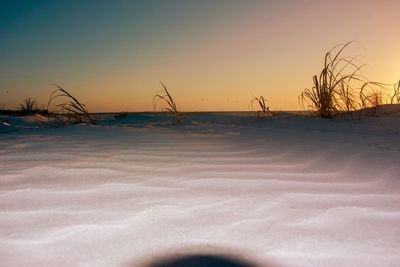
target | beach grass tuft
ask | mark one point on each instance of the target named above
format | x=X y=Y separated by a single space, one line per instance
x=29 y=106
x=170 y=105
x=374 y=94
x=395 y=97
x=371 y=94
x=68 y=106
x=263 y=109
x=333 y=90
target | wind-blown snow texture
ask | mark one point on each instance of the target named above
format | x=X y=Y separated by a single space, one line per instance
x=291 y=191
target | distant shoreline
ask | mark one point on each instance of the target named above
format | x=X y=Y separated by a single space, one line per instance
x=19 y=113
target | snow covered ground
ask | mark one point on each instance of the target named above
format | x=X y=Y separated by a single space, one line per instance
x=289 y=191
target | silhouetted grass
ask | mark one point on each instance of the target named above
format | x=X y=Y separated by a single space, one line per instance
x=374 y=94
x=395 y=97
x=346 y=98
x=332 y=91
x=371 y=94
x=70 y=107
x=29 y=106
x=164 y=96
x=263 y=109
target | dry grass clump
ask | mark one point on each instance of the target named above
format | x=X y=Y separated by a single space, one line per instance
x=170 y=105
x=346 y=98
x=374 y=94
x=371 y=95
x=341 y=88
x=333 y=89
x=263 y=109
x=30 y=106
x=395 y=96
x=68 y=107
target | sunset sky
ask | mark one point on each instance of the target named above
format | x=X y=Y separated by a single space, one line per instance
x=212 y=54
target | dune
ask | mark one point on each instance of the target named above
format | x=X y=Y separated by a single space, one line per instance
x=386 y=110
x=289 y=191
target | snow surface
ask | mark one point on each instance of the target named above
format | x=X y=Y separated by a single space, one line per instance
x=289 y=191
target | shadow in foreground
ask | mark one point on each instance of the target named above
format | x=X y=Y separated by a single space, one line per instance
x=200 y=260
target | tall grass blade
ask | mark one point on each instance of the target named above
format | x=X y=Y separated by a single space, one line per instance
x=165 y=97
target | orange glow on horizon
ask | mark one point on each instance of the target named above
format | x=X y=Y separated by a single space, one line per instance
x=216 y=61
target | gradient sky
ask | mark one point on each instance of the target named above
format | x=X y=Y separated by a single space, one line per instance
x=212 y=54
